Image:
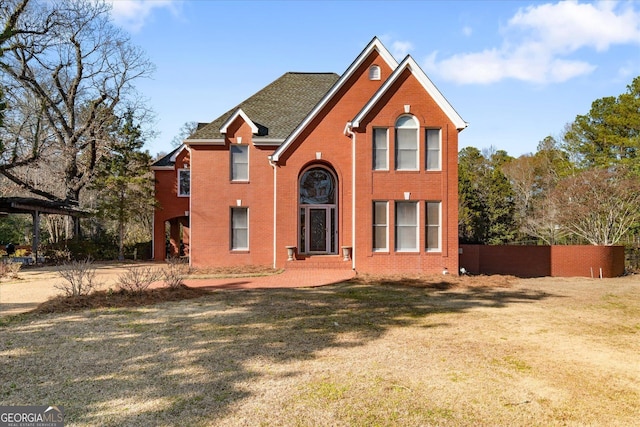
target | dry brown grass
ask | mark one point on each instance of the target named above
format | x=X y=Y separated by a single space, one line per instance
x=373 y=351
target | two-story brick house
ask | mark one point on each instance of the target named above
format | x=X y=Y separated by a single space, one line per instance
x=363 y=165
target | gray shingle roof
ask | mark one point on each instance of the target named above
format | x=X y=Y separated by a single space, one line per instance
x=278 y=108
x=166 y=159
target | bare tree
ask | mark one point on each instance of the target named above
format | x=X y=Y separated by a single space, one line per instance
x=599 y=205
x=77 y=76
x=185 y=132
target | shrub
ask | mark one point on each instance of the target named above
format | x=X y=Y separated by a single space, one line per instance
x=175 y=272
x=9 y=269
x=137 y=279
x=79 y=278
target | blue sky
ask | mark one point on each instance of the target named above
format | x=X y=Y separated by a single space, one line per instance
x=515 y=71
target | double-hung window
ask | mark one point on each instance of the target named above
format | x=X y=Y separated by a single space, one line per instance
x=432 y=232
x=407 y=227
x=239 y=229
x=433 y=143
x=380 y=149
x=239 y=162
x=406 y=143
x=184 y=182
x=380 y=226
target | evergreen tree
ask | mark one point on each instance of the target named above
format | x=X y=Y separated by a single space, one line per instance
x=124 y=181
x=610 y=133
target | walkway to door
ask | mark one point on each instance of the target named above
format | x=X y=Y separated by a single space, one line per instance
x=290 y=278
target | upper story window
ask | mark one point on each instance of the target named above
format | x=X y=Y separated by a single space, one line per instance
x=374 y=72
x=433 y=160
x=184 y=182
x=407 y=143
x=239 y=162
x=380 y=149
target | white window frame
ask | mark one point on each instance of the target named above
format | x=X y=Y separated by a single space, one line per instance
x=377 y=226
x=181 y=193
x=430 y=152
x=415 y=127
x=437 y=226
x=233 y=229
x=234 y=163
x=376 y=149
x=416 y=248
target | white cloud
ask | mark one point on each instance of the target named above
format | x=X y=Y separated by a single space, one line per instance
x=467 y=31
x=133 y=14
x=539 y=41
x=400 y=49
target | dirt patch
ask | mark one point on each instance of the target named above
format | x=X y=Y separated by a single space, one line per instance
x=365 y=352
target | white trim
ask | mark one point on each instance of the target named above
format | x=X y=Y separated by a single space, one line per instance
x=162 y=168
x=217 y=141
x=373 y=148
x=410 y=64
x=231 y=164
x=416 y=249
x=275 y=211
x=177 y=153
x=267 y=141
x=245 y=248
x=376 y=45
x=386 y=248
x=238 y=113
x=426 y=150
x=426 y=233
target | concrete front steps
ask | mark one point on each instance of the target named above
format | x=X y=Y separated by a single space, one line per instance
x=318 y=262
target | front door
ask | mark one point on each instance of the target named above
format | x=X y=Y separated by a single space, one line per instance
x=318 y=231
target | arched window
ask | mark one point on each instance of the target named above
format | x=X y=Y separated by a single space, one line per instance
x=374 y=72
x=317 y=187
x=407 y=143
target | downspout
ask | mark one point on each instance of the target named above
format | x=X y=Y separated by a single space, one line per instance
x=348 y=131
x=275 y=206
x=190 y=200
x=153 y=222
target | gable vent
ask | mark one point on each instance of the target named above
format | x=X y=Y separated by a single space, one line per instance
x=374 y=72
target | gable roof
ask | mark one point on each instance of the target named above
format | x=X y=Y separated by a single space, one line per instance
x=376 y=45
x=168 y=161
x=410 y=64
x=274 y=111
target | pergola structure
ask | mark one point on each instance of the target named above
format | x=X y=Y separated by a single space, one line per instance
x=35 y=207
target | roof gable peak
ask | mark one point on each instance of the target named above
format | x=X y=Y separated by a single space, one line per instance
x=374 y=44
x=408 y=63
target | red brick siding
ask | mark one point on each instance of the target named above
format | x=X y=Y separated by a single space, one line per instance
x=170 y=205
x=214 y=194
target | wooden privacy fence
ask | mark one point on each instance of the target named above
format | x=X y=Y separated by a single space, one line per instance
x=540 y=261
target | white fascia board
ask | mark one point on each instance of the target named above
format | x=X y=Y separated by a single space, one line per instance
x=238 y=113
x=162 y=168
x=191 y=142
x=376 y=45
x=427 y=84
x=177 y=153
x=265 y=141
